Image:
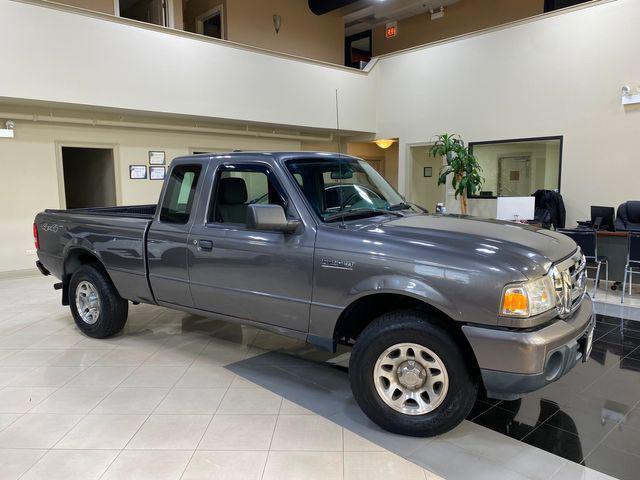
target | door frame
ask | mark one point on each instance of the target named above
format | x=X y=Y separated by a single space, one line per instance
x=352 y=38
x=208 y=14
x=115 y=149
x=408 y=173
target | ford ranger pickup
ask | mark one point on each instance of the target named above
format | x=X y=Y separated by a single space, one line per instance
x=318 y=246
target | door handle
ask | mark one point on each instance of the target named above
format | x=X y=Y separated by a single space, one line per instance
x=206 y=245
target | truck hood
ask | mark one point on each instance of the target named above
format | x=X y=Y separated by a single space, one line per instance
x=529 y=249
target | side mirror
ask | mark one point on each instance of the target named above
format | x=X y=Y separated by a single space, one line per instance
x=269 y=217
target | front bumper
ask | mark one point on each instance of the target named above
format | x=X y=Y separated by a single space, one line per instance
x=514 y=362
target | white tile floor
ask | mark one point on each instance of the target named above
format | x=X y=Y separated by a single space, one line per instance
x=181 y=397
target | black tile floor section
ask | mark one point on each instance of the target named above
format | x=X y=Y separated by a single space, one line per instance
x=591 y=415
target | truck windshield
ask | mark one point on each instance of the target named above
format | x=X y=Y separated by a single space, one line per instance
x=336 y=186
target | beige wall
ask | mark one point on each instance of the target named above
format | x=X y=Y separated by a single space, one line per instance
x=302 y=33
x=31 y=167
x=460 y=18
x=104 y=6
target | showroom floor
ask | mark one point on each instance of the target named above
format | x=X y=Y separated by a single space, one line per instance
x=178 y=396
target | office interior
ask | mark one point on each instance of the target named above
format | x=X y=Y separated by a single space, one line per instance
x=544 y=93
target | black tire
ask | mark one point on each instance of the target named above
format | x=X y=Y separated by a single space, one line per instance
x=415 y=327
x=113 y=308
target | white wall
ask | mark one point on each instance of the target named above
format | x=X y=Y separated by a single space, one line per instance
x=58 y=56
x=560 y=75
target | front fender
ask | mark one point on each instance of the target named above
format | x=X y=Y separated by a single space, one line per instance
x=411 y=287
x=324 y=317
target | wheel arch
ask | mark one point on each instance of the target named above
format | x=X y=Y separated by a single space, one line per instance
x=365 y=309
x=74 y=258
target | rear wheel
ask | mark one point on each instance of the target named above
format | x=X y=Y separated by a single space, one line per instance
x=97 y=308
x=410 y=376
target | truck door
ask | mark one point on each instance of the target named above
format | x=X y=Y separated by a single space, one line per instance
x=167 y=251
x=262 y=276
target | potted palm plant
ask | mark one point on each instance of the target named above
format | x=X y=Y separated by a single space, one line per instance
x=461 y=166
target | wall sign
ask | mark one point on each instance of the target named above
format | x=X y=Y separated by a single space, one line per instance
x=157 y=173
x=391 y=29
x=137 y=172
x=156 y=158
x=427 y=172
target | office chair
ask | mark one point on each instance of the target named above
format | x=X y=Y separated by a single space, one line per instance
x=628 y=216
x=587 y=240
x=633 y=261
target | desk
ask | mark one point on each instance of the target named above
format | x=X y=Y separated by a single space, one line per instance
x=613 y=245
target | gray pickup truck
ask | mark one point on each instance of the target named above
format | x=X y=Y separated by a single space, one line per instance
x=320 y=247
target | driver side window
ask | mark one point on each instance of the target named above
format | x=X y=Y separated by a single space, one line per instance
x=237 y=188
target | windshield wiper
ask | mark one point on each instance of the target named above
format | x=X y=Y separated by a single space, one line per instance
x=361 y=212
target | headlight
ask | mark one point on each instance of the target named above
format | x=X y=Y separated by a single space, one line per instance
x=529 y=298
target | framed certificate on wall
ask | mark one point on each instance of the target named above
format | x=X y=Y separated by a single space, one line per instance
x=157 y=173
x=137 y=172
x=156 y=158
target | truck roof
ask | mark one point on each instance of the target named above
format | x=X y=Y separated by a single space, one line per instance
x=277 y=156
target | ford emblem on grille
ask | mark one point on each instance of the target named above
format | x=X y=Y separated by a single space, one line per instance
x=570 y=284
x=565 y=279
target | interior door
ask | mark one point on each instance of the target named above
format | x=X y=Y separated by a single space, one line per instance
x=261 y=276
x=167 y=252
x=425 y=169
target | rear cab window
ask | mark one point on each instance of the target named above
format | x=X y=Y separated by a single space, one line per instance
x=178 y=198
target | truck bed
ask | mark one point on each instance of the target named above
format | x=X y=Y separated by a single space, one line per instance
x=114 y=235
x=135 y=211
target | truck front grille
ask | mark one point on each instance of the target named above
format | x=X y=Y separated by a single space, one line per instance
x=570 y=283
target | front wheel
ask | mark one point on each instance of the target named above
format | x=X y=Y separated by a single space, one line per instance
x=97 y=308
x=410 y=376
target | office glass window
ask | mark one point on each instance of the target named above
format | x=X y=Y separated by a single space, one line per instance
x=517 y=168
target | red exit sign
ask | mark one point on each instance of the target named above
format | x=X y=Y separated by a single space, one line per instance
x=391 y=29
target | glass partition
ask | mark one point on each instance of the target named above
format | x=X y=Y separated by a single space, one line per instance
x=517 y=168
